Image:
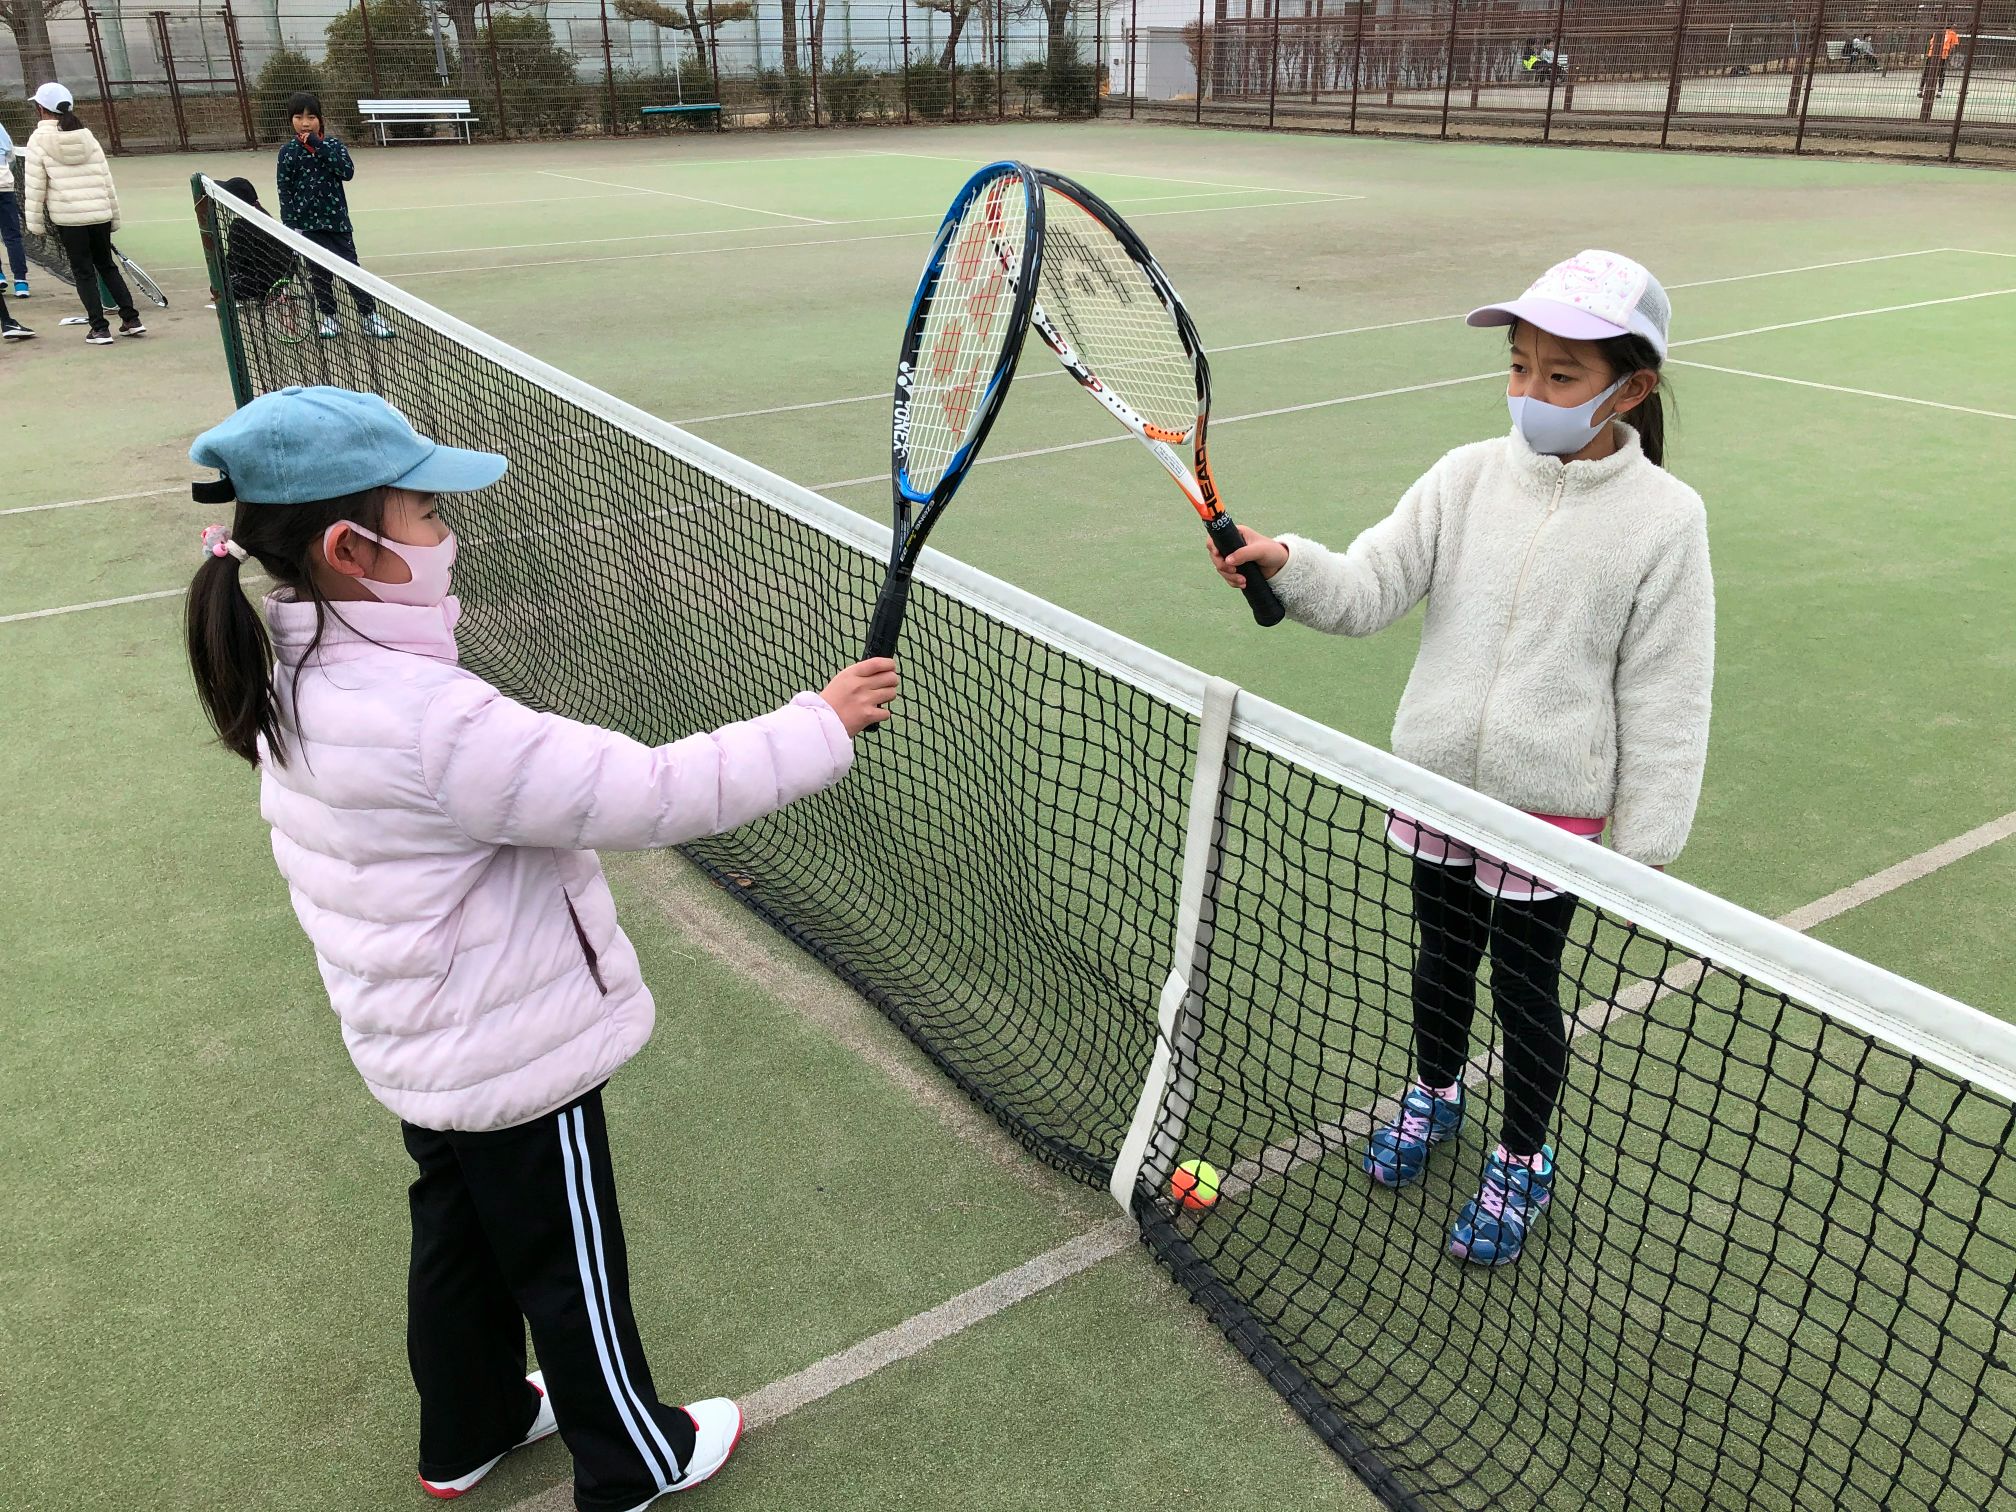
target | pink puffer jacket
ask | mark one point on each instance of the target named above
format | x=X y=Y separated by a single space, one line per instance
x=438 y=840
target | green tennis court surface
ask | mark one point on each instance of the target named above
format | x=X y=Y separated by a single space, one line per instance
x=208 y=1206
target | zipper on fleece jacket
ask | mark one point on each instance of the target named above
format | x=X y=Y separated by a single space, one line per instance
x=1512 y=618
x=587 y=950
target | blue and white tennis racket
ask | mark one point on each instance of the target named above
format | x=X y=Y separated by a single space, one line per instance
x=958 y=357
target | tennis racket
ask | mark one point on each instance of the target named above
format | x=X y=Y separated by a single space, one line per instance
x=288 y=310
x=1108 y=312
x=965 y=333
x=137 y=277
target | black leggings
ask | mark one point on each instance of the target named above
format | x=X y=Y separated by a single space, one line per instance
x=90 y=250
x=1526 y=941
x=323 y=282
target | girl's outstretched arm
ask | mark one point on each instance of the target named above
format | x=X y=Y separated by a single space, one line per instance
x=1383 y=574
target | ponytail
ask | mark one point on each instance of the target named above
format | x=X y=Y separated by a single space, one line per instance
x=232 y=659
x=67 y=118
x=230 y=653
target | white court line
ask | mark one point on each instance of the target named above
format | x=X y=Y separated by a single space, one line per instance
x=1274 y=341
x=831 y=241
x=1154 y=178
x=534 y=199
x=803 y=220
x=1978 y=252
x=145 y=493
x=1793 y=325
x=131 y=598
x=645 y=236
x=1836 y=388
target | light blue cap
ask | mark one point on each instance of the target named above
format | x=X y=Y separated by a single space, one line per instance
x=301 y=445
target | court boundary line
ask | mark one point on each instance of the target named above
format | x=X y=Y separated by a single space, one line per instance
x=1837 y=388
x=769 y=1404
x=1158 y=178
x=697 y=199
x=118 y=498
x=109 y=603
x=1385 y=325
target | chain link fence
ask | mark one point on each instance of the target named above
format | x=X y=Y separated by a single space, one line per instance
x=1894 y=77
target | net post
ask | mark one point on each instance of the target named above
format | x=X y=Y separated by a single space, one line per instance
x=1813 y=46
x=1554 y=68
x=1966 y=77
x=1673 y=76
x=1170 y=1088
x=220 y=279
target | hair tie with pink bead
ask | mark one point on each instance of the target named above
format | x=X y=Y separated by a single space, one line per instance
x=217 y=542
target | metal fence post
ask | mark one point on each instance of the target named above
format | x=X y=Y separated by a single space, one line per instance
x=1314 y=32
x=1449 y=63
x=1966 y=76
x=238 y=75
x=1099 y=53
x=904 y=6
x=1000 y=60
x=813 y=30
x=714 y=61
x=609 y=70
x=1357 y=63
x=370 y=47
x=1203 y=52
x=1133 y=41
x=104 y=79
x=1812 y=62
x=1554 y=68
x=168 y=68
x=1673 y=76
x=952 y=102
x=1273 y=60
x=496 y=72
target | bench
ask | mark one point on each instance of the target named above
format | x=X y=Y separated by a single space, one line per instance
x=381 y=114
x=648 y=111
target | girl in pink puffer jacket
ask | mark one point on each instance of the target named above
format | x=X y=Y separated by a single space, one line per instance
x=438 y=841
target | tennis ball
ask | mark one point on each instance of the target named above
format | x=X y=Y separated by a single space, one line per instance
x=1195 y=1184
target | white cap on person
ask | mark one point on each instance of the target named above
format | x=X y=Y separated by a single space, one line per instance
x=53 y=97
x=1593 y=296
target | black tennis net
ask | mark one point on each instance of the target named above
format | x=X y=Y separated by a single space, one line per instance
x=1146 y=920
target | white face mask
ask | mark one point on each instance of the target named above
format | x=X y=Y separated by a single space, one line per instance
x=1554 y=430
x=429 y=566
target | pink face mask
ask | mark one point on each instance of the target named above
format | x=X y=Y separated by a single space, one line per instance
x=430 y=566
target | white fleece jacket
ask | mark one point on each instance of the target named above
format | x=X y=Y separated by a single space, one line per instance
x=68 y=183
x=1569 y=644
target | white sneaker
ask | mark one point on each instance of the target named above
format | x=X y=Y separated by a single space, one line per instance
x=375 y=324
x=543 y=1426
x=717 y=1429
x=329 y=327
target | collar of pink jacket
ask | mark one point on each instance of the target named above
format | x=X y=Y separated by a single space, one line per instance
x=362 y=628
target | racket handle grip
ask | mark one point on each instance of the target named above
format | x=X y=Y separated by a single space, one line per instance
x=1266 y=607
x=887 y=623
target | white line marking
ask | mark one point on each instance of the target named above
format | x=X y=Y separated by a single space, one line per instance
x=1274 y=341
x=131 y=598
x=1793 y=325
x=831 y=241
x=803 y=220
x=1835 y=388
x=1153 y=178
x=1910 y=869
x=535 y=199
x=145 y=493
x=1977 y=252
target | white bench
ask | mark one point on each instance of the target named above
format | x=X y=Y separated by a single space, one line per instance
x=381 y=114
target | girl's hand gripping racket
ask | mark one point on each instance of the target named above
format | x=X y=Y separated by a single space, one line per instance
x=1107 y=311
x=966 y=327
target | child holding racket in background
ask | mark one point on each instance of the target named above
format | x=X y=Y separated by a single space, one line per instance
x=1565 y=668
x=438 y=842
x=312 y=171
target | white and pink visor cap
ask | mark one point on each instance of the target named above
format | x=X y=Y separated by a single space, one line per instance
x=1593 y=296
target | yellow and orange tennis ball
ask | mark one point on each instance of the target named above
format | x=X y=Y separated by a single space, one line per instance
x=1195 y=1184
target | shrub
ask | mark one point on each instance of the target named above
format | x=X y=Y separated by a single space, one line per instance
x=930 y=87
x=285 y=72
x=402 y=47
x=849 y=91
x=535 y=76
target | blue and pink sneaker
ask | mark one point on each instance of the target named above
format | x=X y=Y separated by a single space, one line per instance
x=1397 y=1154
x=1492 y=1228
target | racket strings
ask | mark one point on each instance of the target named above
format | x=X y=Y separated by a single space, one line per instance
x=966 y=326
x=1105 y=305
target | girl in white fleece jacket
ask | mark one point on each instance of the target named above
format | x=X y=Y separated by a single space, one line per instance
x=1565 y=666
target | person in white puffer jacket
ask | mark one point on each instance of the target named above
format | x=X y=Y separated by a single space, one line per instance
x=68 y=187
x=1566 y=661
